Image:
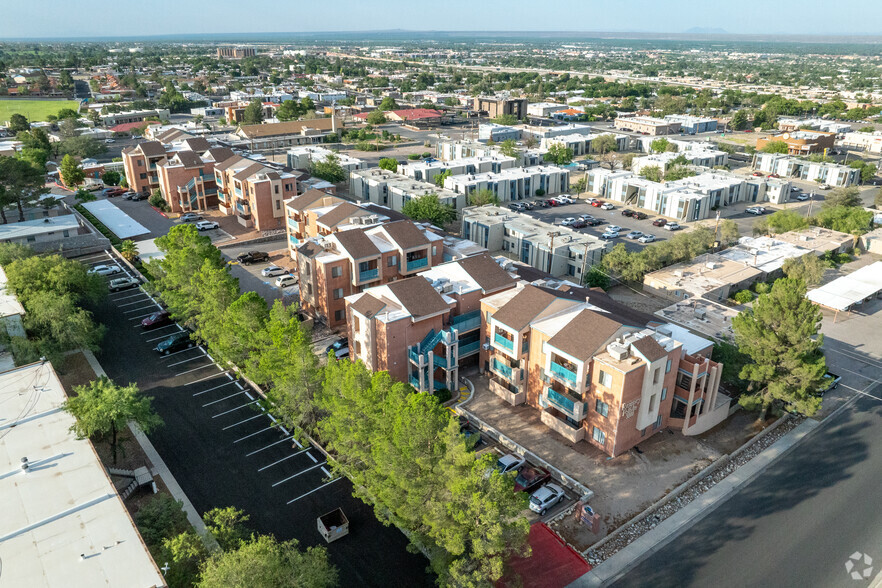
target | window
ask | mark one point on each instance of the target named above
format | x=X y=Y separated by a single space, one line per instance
x=655 y=375
x=643 y=431
x=599 y=436
x=434 y=250
x=604 y=379
x=664 y=393
x=338 y=293
x=652 y=403
x=278 y=204
x=143 y=176
x=658 y=422
x=601 y=407
x=355 y=323
x=336 y=271
x=276 y=188
x=668 y=367
x=338 y=315
x=393 y=261
x=358 y=348
x=140 y=163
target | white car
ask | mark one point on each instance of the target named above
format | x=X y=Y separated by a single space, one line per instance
x=635 y=234
x=285 y=281
x=802 y=197
x=109 y=141
x=105 y=270
x=610 y=235
x=757 y=210
x=825 y=186
x=672 y=227
x=206 y=225
x=564 y=199
x=613 y=229
x=647 y=239
x=606 y=206
x=123 y=284
x=546 y=497
x=273 y=270
x=510 y=463
x=567 y=221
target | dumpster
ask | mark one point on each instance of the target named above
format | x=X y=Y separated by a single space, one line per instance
x=333 y=525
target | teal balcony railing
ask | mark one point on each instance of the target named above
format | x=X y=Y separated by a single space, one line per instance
x=368 y=275
x=562 y=372
x=500 y=340
x=414 y=264
x=500 y=368
x=293 y=240
x=469 y=348
x=467 y=322
x=562 y=402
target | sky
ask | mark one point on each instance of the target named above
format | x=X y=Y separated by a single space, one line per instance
x=115 y=18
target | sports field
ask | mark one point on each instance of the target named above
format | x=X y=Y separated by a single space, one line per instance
x=35 y=110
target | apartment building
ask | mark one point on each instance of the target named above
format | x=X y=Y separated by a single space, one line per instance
x=393 y=190
x=543 y=132
x=423 y=329
x=236 y=52
x=186 y=177
x=449 y=150
x=496 y=106
x=560 y=251
x=346 y=262
x=705 y=158
x=133 y=116
x=253 y=192
x=513 y=183
x=140 y=164
x=428 y=171
x=691 y=125
x=689 y=199
x=580 y=144
x=302 y=157
x=871 y=142
x=801 y=142
x=544 y=109
x=788 y=166
x=497 y=133
x=647 y=125
x=815 y=124
x=597 y=375
x=287 y=134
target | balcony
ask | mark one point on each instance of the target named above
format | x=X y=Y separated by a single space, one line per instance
x=467 y=322
x=293 y=241
x=510 y=393
x=243 y=208
x=469 y=348
x=369 y=275
x=501 y=369
x=415 y=264
x=556 y=421
x=503 y=342
x=563 y=373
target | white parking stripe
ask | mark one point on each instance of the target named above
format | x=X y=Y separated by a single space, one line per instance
x=327 y=473
x=91 y=255
x=182 y=351
x=281 y=460
x=221 y=399
x=201 y=367
x=314 y=460
x=253 y=434
x=215 y=388
x=297 y=474
x=133 y=303
x=315 y=490
x=206 y=378
x=220 y=414
x=141 y=316
x=187 y=360
x=267 y=447
x=166 y=336
x=126 y=297
x=143 y=308
x=257 y=416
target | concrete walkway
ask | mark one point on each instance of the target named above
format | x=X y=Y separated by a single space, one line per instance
x=656 y=539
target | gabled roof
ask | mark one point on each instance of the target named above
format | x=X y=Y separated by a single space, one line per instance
x=294 y=127
x=151 y=148
x=649 y=348
x=489 y=275
x=308 y=198
x=405 y=234
x=368 y=306
x=309 y=249
x=417 y=296
x=357 y=244
x=249 y=171
x=189 y=158
x=229 y=162
x=197 y=143
x=584 y=334
x=339 y=214
x=524 y=307
x=219 y=154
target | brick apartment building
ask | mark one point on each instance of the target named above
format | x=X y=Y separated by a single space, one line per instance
x=496 y=106
x=253 y=193
x=186 y=178
x=346 y=262
x=236 y=52
x=594 y=369
x=424 y=328
x=140 y=164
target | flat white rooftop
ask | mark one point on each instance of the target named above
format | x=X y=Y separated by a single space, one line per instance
x=122 y=225
x=842 y=293
x=63 y=522
x=40 y=226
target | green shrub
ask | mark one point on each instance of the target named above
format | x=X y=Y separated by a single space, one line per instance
x=413 y=156
x=426 y=155
x=762 y=288
x=158 y=201
x=443 y=395
x=540 y=192
x=743 y=297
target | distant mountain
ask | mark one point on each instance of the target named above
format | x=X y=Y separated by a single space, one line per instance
x=706 y=31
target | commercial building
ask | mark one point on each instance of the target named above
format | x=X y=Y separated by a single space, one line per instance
x=513 y=183
x=544 y=109
x=871 y=142
x=427 y=171
x=343 y=263
x=801 y=142
x=691 y=125
x=63 y=523
x=423 y=329
x=647 y=125
x=133 y=116
x=788 y=166
x=497 y=133
x=253 y=192
x=789 y=125
x=703 y=158
x=393 y=190
x=597 y=373
x=287 y=134
x=560 y=251
x=542 y=132
x=496 y=106
x=302 y=157
x=236 y=52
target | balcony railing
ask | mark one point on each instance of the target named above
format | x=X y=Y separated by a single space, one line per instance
x=414 y=264
x=368 y=275
x=467 y=322
x=561 y=401
x=469 y=348
x=500 y=340
x=500 y=368
x=562 y=372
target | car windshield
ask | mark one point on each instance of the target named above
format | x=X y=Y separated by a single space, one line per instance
x=535 y=500
x=523 y=480
x=501 y=465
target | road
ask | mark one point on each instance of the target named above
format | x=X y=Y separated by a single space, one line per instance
x=797 y=524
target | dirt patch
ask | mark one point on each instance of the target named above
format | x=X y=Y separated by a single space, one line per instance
x=638 y=300
x=76 y=372
x=735 y=431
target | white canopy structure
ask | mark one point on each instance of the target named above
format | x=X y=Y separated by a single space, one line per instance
x=843 y=293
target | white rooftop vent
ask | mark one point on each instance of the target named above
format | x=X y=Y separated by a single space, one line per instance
x=710 y=265
x=678 y=273
x=700 y=313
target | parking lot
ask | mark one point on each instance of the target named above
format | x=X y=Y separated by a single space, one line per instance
x=225 y=449
x=249 y=274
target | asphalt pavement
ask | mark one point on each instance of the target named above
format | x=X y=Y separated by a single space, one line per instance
x=799 y=523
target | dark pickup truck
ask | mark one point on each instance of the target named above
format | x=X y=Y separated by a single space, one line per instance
x=252 y=257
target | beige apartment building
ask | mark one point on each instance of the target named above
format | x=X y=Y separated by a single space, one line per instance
x=496 y=106
x=647 y=125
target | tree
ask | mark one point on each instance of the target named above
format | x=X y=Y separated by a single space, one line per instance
x=182 y=554
x=677 y=172
x=161 y=517
x=505 y=119
x=289 y=110
x=389 y=163
x=729 y=233
x=809 y=268
x=253 y=114
x=781 y=221
x=128 y=250
x=604 y=144
x=376 y=117
x=307 y=105
x=439 y=179
x=242 y=322
x=227 y=526
x=850 y=196
x=10 y=252
x=71 y=173
x=776 y=146
x=509 y=148
x=739 y=121
x=21 y=184
x=429 y=208
x=559 y=154
x=595 y=277
x=662 y=145
x=388 y=103
x=653 y=173
x=780 y=334
x=102 y=408
x=81 y=146
x=868 y=170
x=263 y=561
x=18 y=123
x=68 y=128
x=110 y=178
x=328 y=169
x=845 y=219
x=482 y=197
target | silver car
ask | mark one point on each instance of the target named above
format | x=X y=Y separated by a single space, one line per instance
x=546 y=497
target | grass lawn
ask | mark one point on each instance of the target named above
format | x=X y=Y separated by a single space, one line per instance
x=35 y=110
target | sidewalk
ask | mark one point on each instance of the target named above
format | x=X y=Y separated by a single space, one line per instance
x=656 y=539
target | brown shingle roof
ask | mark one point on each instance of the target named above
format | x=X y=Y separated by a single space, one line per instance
x=189 y=158
x=308 y=198
x=523 y=307
x=309 y=249
x=649 y=348
x=339 y=214
x=357 y=244
x=198 y=144
x=248 y=171
x=486 y=272
x=293 y=127
x=368 y=306
x=219 y=154
x=417 y=296
x=584 y=334
x=151 y=148
x=405 y=234
x=229 y=162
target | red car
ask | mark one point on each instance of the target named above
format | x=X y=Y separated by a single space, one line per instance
x=757 y=174
x=530 y=478
x=774 y=176
x=659 y=222
x=157 y=319
x=552 y=203
x=597 y=203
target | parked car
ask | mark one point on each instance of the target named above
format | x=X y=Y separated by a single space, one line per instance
x=129 y=195
x=825 y=186
x=610 y=234
x=593 y=222
x=542 y=204
x=635 y=234
x=672 y=226
x=585 y=217
x=273 y=270
x=123 y=284
x=774 y=176
x=551 y=202
x=252 y=257
x=831 y=381
x=530 y=478
x=597 y=203
x=647 y=239
x=627 y=212
x=564 y=199
x=528 y=205
x=206 y=225
x=546 y=497
x=639 y=215
x=105 y=270
x=114 y=192
x=567 y=221
x=659 y=222
x=615 y=228
x=579 y=224
x=109 y=141
x=757 y=174
x=157 y=319
x=517 y=207
x=285 y=281
x=175 y=342
x=757 y=210
x=93 y=187
x=510 y=463
x=607 y=206
x=140 y=196
x=802 y=197
x=190 y=217
x=337 y=345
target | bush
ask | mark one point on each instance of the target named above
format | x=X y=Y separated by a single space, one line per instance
x=743 y=297
x=762 y=288
x=443 y=395
x=365 y=146
x=426 y=155
x=413 y=156
x=540 y=192
x=156 y=200
x=161 y=517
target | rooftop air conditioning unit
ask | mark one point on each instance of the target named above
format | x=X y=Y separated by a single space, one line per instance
x=447 y=288
x=710 y=265
x=700 y=313
x=617 y=351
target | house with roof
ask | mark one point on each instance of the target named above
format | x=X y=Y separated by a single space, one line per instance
x=286 y=134
x=253 y=192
